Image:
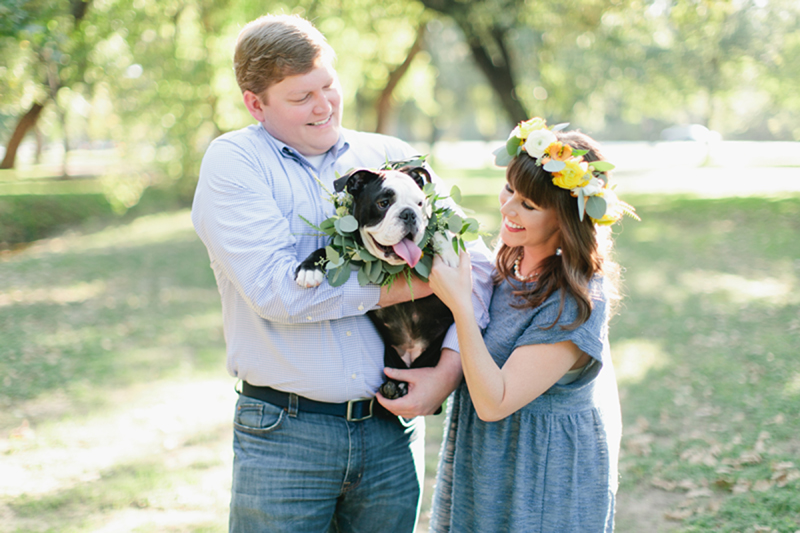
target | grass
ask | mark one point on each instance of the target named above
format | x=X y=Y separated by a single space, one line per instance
x=115 y=407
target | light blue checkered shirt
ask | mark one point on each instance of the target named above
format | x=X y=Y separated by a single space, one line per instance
x=316 y=342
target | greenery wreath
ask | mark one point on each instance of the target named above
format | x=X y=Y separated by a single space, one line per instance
x=346 y=252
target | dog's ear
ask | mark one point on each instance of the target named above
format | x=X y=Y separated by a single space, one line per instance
x=355 y=181
x=418 y=174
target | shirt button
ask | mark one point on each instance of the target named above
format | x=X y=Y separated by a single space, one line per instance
x=349 y=333
x=309 y=317
x=361 y=307
x=353 y=376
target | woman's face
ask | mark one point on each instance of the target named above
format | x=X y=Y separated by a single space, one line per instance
x=526 y=224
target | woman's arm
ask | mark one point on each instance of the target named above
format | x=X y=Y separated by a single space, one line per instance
x=530 y=371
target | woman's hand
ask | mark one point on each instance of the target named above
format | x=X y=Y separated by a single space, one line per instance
x=452 y=285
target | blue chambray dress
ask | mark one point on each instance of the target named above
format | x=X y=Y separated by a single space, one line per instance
x=551 y=466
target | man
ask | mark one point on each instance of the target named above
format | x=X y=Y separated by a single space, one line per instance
x=313 y=449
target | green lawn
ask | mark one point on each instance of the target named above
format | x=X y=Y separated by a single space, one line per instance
x=115 y=405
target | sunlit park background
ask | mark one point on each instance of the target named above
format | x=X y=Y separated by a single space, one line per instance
x=115 y=408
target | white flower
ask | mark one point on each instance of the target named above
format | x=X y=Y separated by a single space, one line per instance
x=593 y=188
x=538 y=141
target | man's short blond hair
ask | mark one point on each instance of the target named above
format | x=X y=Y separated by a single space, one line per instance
x=274 y=47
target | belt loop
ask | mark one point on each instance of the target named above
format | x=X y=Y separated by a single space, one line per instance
x=294 y=403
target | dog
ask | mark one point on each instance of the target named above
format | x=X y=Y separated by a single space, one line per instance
x=392 y=214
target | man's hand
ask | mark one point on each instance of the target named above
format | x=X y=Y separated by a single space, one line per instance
x=399 y=291
x=428 y=388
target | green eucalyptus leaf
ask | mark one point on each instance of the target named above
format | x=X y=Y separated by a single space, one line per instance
x=394 y=269
x=455 y=194
x=602 y=166
x=327 y=225
x=513 y=145
x=339 y=276
x=455 y=224
x=346 y=224
x=578 y=153
x=554 y=165
x=375 y=271
x=429 y=188
x=502 y=157
x=332 y=254
x=363 y=276
x=423 y=268
x=365 y=255
x=596 y=207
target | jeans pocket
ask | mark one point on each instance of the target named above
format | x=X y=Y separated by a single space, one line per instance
x=256 y=417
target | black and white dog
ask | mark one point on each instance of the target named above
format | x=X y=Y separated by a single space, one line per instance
x=392 y=216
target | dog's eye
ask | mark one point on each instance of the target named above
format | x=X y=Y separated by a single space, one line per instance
x=419 y=204
x=383 y=204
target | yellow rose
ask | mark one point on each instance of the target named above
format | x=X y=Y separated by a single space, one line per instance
x=526 y=127
x=575 y=174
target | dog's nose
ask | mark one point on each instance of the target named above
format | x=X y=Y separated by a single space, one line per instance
x=407 y=215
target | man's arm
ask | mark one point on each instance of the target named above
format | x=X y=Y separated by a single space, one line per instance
x=238 y=216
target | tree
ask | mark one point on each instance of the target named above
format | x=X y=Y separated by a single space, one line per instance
x=485 y=25
x=56 y=58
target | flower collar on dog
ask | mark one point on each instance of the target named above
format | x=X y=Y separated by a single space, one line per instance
x=346 y=252
x=587 y=181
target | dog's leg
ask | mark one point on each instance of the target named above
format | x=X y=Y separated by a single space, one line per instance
x=444 y=248
x=309 y=273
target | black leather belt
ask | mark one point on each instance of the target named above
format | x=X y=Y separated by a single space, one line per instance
x=353 y=411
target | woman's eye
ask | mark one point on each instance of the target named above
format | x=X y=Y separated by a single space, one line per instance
x=509 y=189
x=527 y=206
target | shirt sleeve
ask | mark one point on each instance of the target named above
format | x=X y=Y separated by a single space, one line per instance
x=251 y=245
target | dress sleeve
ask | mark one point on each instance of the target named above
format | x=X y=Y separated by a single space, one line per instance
x=590 y=336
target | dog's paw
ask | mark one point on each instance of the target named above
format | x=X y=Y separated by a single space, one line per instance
x=309 y=278
x=391 y=389
x=444 y=249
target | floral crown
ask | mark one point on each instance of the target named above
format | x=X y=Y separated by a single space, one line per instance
x=587 y=181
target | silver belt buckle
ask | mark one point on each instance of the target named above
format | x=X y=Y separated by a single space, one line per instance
x=350 y=409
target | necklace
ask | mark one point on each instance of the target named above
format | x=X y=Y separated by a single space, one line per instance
x=519 y=276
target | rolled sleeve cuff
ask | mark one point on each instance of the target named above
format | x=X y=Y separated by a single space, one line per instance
x=451 y=339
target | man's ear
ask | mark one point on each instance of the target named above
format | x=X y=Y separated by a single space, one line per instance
x=254 y=105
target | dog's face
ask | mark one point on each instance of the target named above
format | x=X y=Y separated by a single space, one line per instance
x=391 y=211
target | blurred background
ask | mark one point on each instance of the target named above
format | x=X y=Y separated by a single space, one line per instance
x=114 y=403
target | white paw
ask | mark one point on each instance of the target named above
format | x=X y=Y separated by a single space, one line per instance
x=444 y=249
x=309 y=278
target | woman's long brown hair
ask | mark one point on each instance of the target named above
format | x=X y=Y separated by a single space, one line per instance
x=585 y=248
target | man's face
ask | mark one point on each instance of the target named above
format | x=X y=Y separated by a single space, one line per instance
x=303 y=111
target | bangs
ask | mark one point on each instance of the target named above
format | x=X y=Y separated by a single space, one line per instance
x=533 y=182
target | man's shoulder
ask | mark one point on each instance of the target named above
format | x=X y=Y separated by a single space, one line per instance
x=378 y=141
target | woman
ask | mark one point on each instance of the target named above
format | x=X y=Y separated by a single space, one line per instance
x=532 y=436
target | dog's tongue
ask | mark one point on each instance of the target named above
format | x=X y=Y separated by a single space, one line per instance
x=408 y=252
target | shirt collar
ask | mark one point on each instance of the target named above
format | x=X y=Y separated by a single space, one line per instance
x=285 y=150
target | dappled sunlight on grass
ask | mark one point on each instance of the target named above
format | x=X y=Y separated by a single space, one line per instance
x=138 y=451
x=78 y=292
x=736 y=289
x=793 y=385
x=634 y=358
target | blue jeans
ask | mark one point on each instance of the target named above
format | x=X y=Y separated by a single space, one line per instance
x=320 y=473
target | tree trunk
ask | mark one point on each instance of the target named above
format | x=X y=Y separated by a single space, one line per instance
x=383 y=106
x=499 y=76
x=26 y=122
x=482 y=40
